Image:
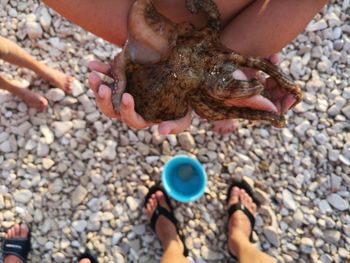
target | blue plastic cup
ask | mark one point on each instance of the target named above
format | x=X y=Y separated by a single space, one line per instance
x=184 y=178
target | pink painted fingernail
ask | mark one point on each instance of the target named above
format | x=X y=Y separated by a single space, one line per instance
x=102 y=91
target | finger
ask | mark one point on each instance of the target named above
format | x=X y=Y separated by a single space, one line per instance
x=99 y=66
x=129 y=115
x=175 y=126
x=104 y=101
x=94 y=82
x=274 y=58
x=288 y=103
x=256 y=102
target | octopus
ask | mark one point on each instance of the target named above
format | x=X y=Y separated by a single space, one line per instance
x=171 y=67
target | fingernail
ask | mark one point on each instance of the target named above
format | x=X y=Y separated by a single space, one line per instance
x=126 y=99
x=102 y=91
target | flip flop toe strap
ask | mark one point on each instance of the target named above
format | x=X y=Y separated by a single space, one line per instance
x=18 y=247
x=162 y=211
x=239 y=206
x=170 y=216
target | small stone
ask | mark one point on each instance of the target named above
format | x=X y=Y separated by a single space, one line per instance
x=45 y=18
x=333 y=155
x=325 y=258
x=271 y=235
x=302 y=127
x=344 y=160
x=47 y=163
x=6 y=147
x=208 y=254
x=56 y=186
x=61 y=127
x=297 y=67
x=79 y=225
x=116 y=238
x=78 y=195
x=33 y=29
x=346 y=111
x=132 y=203
x=315 y=26
x=332 y=236
x=55 y=94
x=97 y=179
x=186 y=141
x=288 y=200
x=248 y=170
x=77 y=88
x=42 y=149
x=59 y=257
x=339 y=102
x=324 y=65
x=47 y=133
x=66 y=114
x=324 y=207
x=110 y=152
x=2 y=202
x=88 y=105
x=22 y=196
x=9 y=164
x=338 y=202
x=306 y=245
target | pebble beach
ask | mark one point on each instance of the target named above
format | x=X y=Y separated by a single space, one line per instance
x=78 y=178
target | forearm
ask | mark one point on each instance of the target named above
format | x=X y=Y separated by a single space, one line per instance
x=265 y=27
x=106 y=18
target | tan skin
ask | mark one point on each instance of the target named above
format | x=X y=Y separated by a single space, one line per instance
x=239 y=229
x=14 y=54
x=22 y=231
x=257 y=28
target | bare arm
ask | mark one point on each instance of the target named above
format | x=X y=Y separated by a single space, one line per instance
x=104 y=18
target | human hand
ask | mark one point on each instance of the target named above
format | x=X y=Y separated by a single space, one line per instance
x=127 y=114
x=275 y=99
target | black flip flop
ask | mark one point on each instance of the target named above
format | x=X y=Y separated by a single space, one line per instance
x=89 y=256
x=240 y=206
x=164 y=212
x=18 y=247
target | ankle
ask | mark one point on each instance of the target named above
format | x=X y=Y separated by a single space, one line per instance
x=238 y=240
x=172 y=244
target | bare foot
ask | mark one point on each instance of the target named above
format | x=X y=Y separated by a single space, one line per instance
x=239 y=225
x=165 y=229
x=18 y=231
x=58 y=79
x=20 y=89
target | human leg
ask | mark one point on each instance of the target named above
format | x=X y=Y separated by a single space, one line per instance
x=265 y=27
x=112 y=14
x=14 y=54
x=166 y=231
x=240 y=228
x=31 y=98
x=16 y=232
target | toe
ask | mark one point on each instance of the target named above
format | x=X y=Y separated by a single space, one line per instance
x=234 y=196
x=242 y=196
x=24 y=231
x=161 y=199
x=253 y=209
x=11 y=232
x=17 y=230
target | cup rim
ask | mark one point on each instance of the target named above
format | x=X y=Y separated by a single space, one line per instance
x=197 y=164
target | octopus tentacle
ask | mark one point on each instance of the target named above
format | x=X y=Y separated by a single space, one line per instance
x=151 y=35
